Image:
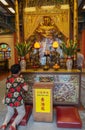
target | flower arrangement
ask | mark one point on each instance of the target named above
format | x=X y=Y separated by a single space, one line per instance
x=69 y=48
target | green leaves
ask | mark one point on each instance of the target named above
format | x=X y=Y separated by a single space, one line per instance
x=69 y=48
x=23 y=48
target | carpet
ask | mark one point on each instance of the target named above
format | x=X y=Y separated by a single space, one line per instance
x=32 y=125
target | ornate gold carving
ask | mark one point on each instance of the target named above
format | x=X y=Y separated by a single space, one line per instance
x=60 y=18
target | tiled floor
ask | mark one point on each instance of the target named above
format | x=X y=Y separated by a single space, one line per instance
x=32 y=125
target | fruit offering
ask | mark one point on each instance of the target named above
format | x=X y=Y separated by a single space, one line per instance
x=56 y=66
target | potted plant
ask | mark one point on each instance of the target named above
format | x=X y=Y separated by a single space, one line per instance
x=69 y=49
x=22 y=50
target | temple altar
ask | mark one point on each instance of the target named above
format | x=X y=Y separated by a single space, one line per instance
x=66 y=89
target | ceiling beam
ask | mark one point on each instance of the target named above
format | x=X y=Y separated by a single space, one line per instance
x=81 y=6
x=5 y=7
x=11 y=3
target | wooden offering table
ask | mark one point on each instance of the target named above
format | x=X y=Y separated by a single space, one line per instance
x=66 y=90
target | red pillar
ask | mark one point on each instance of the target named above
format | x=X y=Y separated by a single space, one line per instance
x=83 y=42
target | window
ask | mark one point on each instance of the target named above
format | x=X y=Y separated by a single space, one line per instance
x=5 y=51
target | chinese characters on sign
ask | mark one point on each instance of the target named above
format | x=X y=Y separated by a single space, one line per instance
x=42 y=100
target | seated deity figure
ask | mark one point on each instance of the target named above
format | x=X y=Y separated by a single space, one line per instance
x=46 y=27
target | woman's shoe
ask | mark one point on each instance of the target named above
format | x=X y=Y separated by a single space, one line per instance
x=12 y=128
x=3 y=127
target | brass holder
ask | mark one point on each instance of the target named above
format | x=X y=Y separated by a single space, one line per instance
x=46 y=67
x=57 y=57
x=55 y=46
x=37 y=62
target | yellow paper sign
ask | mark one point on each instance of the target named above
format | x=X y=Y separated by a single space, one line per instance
x=42 y=99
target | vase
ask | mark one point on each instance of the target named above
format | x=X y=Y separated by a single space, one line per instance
x=23 y=63
x=69 y=63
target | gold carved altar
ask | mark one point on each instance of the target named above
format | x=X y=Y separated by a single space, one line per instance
x=59 y=13
x=34 y=18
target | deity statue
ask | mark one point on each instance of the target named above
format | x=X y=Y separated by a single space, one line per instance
x=46 y=27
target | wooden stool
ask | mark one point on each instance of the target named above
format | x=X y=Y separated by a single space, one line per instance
x=68 y=117
x=26 y=117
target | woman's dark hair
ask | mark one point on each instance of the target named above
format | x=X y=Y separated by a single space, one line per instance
x=15 y=68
